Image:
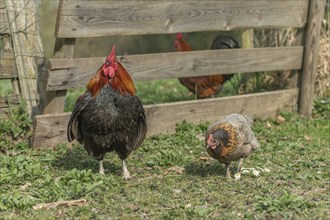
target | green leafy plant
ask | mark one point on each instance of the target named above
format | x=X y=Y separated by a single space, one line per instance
x=282 y=205
x=15 y=130
x=321 y=107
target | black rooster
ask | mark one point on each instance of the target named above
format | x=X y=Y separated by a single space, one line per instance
x=108 y=116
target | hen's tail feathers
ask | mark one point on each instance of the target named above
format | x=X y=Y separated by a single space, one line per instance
x=225 y=42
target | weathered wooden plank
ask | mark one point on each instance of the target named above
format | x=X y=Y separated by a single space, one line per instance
x=50 y=129
x=73 y=73
x=7 y=65
x=2 y=4
x=27 y=47
x=316 y=12
x=6 y=103
x=7 y=58
x=53 y=101
x=4 y=25
x=82 y=18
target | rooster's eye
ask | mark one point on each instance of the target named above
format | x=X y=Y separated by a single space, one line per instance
x=107 y=63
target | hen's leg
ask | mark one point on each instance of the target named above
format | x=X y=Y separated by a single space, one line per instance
x=101 y=169
x=126 y=174
x=228 y=171
x=239 y=168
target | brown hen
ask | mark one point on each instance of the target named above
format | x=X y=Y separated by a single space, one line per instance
x=205 y=86
x=231 y=139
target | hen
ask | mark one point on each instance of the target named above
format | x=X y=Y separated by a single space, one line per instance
x=108 y=116
x=231 y=139
x=205 y=86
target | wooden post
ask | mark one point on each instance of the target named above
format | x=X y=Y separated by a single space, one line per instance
x=27 y=49
x=247 y=41
x=54 y=100
x=247 y=38
x=315 y=15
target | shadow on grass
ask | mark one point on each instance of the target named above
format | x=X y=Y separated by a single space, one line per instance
x=205 y=169
x=77 y=158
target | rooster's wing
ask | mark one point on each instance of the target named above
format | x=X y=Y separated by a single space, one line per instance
x=73 y=130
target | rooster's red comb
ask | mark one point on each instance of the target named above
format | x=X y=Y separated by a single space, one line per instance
x=112 y=55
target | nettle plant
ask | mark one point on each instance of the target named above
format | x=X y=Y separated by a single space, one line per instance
x=16 y=129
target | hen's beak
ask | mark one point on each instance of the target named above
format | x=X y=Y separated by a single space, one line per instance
x=211 y=146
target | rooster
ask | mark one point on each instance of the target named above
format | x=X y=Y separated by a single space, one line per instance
x=231 y=139
x=109 y=116
x=205 y=86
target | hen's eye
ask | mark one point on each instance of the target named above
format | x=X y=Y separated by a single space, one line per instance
x=107 y=63
x=213 y=141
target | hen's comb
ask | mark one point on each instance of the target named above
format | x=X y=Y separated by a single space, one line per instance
x=179 y=36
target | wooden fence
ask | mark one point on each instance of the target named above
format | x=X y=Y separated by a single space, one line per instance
x=81 y=18
x=21 y=54
x=7 y=63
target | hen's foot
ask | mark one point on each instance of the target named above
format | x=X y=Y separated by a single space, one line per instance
x=237 y=176
x=228 y=171
x=239 y=168
x=101 y=169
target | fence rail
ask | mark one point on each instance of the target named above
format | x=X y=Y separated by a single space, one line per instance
x=50 y=129
x=80 y=18
x=74 y=73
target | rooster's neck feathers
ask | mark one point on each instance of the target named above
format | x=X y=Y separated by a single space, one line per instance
x=121 y=82
x=97 y=82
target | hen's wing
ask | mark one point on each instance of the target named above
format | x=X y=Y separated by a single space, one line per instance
x=244 y=124
x=73 y=130
x=204 y=86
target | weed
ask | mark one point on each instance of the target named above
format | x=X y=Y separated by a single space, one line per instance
x=15 y=130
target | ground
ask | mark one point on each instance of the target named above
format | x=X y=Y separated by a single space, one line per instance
x=174 y=178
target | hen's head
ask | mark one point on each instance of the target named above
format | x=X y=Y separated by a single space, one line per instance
x=180 y=44
x=110 y=66
x=177 y=41
x=217 y=138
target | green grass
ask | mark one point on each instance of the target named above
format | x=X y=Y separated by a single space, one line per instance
x=159 y=91
x=296 y=152
x=5 y=87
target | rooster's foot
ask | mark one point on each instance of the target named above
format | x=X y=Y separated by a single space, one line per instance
x=126 y=174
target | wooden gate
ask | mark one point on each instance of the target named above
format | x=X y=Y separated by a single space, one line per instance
x=82 y=18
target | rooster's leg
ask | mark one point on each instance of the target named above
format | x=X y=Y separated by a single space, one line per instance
x=126 y=174
x=101 y=169
x=228 y=171
x=239 y=168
